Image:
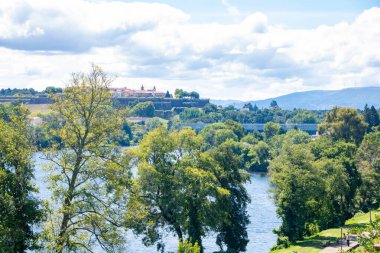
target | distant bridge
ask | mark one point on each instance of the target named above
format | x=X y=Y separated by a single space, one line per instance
x=310 y=128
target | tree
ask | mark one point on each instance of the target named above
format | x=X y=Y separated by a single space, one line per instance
x=194 y=95
x=273 y=104
x=260 y=155
x=217 y=133
x=208 y=108
x=372 y=236
x=167 y=94
x=232 y=231
x=53 y=90
x=237 y=128
x=20 y=211
x=299 y=187
x=176 y=187
x=191 y=113
x=86 y=176
x=250 y=139
x=144 y=109
x=248 y=106
x=271 y=129
x=179 y=93
x=342 y=156
x=371 y=116
x=368 y=159
x=303 y=117
x=344 y=123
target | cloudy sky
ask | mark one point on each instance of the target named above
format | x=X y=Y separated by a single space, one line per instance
x=226 y=49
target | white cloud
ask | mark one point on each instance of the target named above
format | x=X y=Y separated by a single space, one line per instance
x=230 y=8
x=41 y=42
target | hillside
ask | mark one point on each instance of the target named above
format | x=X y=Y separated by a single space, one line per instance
x=318 y=99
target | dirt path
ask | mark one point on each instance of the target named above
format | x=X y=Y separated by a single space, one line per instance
x=336 y=248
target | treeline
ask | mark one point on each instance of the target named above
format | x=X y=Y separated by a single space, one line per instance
x=252 y=114
x=179 y=93
x=29 y=92
x=319 y=184
x=181 y=185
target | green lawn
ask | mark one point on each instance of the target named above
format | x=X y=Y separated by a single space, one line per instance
x=314 y=243
x=36 y=109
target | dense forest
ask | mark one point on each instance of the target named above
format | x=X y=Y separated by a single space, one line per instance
x=190 y=183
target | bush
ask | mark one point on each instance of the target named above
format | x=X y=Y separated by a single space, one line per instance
x=187 y=247
x=282 y=243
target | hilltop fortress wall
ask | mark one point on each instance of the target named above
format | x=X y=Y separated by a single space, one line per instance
x=164 y=107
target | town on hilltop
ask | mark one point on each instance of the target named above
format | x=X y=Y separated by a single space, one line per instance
x=126 y=92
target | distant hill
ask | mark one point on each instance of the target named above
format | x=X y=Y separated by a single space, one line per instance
x=317 y=99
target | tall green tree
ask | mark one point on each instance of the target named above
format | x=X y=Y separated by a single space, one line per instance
x=299 y=189
x=19 y=209
x=176 y=187
x=371 y=116
x=84 y=209
x=344 y=123
x=368 y=158
x=233 y=230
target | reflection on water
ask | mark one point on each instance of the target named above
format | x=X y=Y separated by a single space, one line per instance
x=261 y=210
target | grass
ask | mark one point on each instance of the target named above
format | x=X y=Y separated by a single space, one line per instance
x=314 y=244
x=36 y=109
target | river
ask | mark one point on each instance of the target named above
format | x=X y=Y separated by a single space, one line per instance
x=262 y=212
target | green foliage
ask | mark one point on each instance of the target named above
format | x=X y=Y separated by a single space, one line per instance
x=315 y=182
x=370 y=235
x=217 y=133
x=255 y=115
x=371 y=116
x=259 y=157
x=236 y=128
x=86 y=177
x=43 y=132
x=143 y=109
x=274 y=104
x=344 y=123
x=299 y=187
x=208 y=108
x=186 y=190
x=303 y=117
x=19 y=209
x=179 y=93
x=233 y=230
x=271 y=129
x=153 y=123
x=53 y=90
x=368 y=158
x=191 y=113
x=188 y=247
x=175 y=187
x=250 y=139
x=15 y=92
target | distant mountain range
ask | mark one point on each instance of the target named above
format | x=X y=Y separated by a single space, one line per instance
x=317 y=99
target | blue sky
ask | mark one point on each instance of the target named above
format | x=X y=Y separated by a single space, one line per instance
x=225 y=49
x=291 y=13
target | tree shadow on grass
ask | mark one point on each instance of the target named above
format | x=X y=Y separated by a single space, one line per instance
x=317 y=242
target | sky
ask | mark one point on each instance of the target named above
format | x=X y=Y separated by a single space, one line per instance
x=224 y=49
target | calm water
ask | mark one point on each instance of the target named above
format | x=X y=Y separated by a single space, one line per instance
x=261 y=210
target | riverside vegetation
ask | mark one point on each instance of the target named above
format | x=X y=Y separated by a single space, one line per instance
x=189 y=183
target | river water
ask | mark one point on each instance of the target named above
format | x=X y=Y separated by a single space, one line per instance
x=262 y=212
